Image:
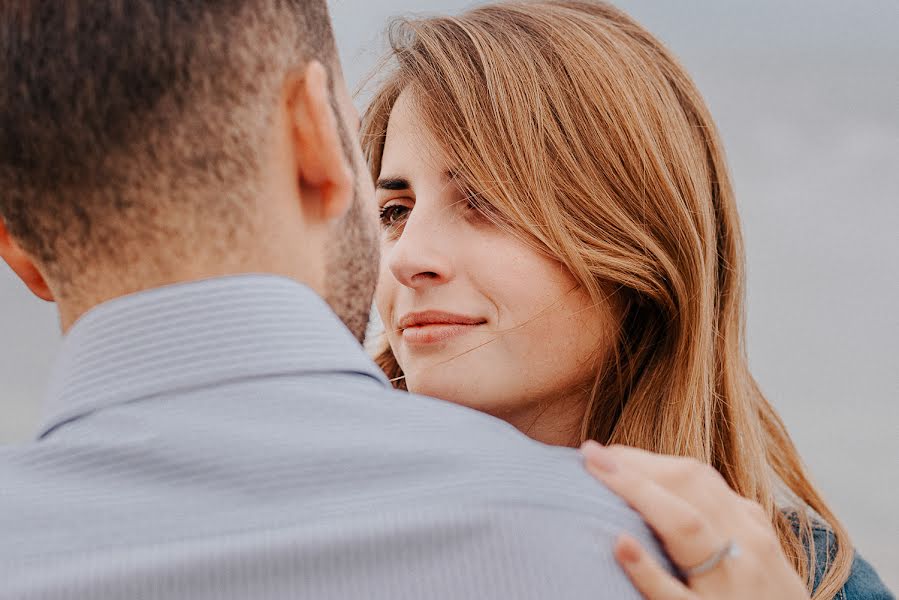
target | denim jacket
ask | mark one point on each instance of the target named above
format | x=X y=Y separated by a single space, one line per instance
x=863 y=583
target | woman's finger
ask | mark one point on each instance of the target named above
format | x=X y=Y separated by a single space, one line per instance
x=683 y=530
x=647 y=575
x=673 y=472
x=653 y=465
x=700 y=485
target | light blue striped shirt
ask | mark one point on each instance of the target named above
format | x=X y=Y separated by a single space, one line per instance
x=230 y=439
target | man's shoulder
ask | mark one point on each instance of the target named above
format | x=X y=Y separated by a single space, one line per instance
x=290 y=453
x=478 y=454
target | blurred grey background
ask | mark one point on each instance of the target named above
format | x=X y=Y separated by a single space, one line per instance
x=806 y=94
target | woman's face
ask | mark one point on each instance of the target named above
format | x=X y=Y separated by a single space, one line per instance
x=474 y=315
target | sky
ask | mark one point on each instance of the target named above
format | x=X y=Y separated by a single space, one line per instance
x=806 y=94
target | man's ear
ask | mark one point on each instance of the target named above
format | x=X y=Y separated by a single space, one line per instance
x=325 y=178
x=22 y=265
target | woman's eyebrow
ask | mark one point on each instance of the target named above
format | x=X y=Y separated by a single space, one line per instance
x=393 y=184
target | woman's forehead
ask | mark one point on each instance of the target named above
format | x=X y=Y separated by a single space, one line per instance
x=411 y=148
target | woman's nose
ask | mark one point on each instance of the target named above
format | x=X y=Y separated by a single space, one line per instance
x=421 y=256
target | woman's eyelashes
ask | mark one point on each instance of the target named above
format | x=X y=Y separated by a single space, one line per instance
x=393 y=215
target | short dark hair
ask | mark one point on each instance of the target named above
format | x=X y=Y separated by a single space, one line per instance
x=113 y=112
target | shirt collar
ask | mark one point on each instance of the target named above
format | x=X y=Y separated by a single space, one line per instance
x=196 y=334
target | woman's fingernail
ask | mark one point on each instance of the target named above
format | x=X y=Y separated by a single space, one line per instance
x=588 y=444
x=598 y=457
x=628 y=550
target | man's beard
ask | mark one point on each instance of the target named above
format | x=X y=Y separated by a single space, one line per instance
x=352 y=268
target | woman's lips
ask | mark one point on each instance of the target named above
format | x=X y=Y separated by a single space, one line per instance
x=434 y=326
x=434 y=333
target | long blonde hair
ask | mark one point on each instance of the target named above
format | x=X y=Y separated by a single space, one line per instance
x=579 y=132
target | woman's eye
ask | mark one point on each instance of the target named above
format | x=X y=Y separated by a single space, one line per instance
x=476 y=205
x=393 y=215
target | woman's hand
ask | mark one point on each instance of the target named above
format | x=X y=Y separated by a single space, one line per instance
x=724 y=544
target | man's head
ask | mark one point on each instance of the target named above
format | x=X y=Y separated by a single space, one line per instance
x=149 y=142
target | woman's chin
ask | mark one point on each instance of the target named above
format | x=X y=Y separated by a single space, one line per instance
x=461 y=389
x=440 y=387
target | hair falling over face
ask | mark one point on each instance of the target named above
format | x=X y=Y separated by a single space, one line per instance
x=585 y=136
